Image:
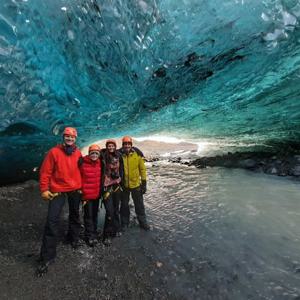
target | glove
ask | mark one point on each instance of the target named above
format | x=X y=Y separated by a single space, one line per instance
x=47 y=195
x=144 y=186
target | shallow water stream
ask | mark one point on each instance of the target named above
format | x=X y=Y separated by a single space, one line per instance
x=225 y=234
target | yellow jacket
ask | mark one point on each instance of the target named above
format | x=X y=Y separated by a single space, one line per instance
x=134 y=169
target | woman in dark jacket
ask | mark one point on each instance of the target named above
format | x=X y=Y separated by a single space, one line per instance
x=112 y=181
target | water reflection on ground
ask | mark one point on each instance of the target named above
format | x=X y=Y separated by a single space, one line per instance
x=225 y=234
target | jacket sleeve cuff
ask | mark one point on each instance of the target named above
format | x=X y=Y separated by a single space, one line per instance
x=44 y=189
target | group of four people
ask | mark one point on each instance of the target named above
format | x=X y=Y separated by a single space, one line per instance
x=108 y=174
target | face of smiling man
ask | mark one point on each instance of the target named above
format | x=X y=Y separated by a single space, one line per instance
x=127 y=146
x=69 y=140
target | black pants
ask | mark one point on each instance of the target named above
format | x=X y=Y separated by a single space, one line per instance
x=112 y=214
x=91 y=218
x=51 y=231
x=139 y=207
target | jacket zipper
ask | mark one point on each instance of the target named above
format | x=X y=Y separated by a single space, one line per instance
x=128 y=168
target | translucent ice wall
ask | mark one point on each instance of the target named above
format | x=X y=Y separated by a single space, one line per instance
x=192 y=68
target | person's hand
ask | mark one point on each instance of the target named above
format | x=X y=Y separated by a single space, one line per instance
x=144 y=186
x=47 y=195
x=106 y=195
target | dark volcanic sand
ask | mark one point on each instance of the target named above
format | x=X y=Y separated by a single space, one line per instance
x=128 y=269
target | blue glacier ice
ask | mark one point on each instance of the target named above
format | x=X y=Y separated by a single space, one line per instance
x=211 y=69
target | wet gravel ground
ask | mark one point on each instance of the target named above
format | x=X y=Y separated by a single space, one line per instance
x=128 y=269
x=217 y=234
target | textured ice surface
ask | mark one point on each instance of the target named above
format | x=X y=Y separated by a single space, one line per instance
x=189 y=68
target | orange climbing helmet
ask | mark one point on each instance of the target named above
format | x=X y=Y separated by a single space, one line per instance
x=70 y=131
x=94 y=147
x=127 y=139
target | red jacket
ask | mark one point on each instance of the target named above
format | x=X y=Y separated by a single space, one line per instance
x=59 y=171
x=91 y=178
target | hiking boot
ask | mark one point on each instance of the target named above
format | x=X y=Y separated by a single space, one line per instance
x=145 y=226
x=42 y=268
x=90 y=242
x=106 y=242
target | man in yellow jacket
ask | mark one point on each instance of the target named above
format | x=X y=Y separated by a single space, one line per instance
x=134 y=184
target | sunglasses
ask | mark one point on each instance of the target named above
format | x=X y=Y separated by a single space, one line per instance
x=94 y=152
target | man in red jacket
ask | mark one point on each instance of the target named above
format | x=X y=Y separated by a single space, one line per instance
x=60 y=179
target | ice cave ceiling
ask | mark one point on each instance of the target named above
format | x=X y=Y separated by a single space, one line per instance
x=186 y=68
